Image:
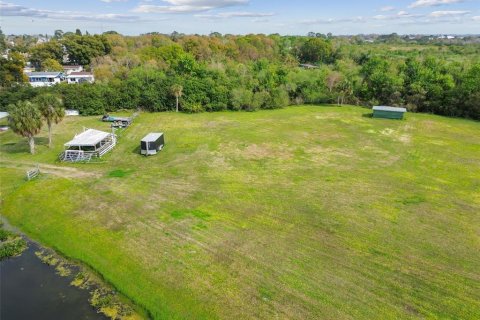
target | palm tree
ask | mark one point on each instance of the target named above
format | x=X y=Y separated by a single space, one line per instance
x=51 y=108
x=177 y=91
x=26 y=120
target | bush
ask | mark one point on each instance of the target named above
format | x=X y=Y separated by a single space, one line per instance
x=242 y=99
x=192 y=107
x=279 y=99
x=260 y=100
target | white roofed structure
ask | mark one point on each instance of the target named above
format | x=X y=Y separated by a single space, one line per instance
x=89 y=143
x=89 y=137
x=152 y=137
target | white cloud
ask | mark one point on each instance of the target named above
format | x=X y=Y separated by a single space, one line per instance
x=226 y=15
x=432 y=3
x=401 y=18
x=387 y=9
x=476 y=18
x=399 y=15
x=334 y=21
x=443 y=14
x=13 y=10
x=188 y=6
x=110 y=1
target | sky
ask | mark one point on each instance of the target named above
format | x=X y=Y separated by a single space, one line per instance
x=294 y=17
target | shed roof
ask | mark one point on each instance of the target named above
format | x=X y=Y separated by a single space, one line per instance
x=392 y=109
x=89 y=137
x=44 y=74
x=152 y=137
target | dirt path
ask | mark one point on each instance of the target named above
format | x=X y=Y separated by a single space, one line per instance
x=64 y=172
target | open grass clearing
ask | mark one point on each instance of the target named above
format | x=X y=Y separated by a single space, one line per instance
x=301 y=213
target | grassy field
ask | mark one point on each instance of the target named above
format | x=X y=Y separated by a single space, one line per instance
x=309 y=212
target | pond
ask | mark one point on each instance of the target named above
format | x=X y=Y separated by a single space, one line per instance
x=31 y=289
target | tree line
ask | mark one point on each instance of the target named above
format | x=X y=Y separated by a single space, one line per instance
x=227 y=72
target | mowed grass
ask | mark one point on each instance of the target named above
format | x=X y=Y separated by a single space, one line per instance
x=311 y=212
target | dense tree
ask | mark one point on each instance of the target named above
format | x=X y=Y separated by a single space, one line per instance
x=381 y=82
x=11 y=70
x=466 y=99
x=316 y=50
x=58 y=34
x=51 y=108
x=51 y=65
x=88 y=99
x=3 y=43
x=48 y=50
x=427 y=84
x=82 y=49
x=252 y=72
x=25 y=119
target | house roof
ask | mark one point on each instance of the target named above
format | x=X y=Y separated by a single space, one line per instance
x=81 y=73
x=89 y=137
x=44 y=74
x=72 y=67
x=308 y=66
x=392 y=109
x=152 y=137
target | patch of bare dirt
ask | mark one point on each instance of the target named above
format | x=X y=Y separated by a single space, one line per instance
x=60 y=171
x=258 y=151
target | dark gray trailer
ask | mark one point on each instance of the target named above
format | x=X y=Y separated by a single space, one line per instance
x=152 y=143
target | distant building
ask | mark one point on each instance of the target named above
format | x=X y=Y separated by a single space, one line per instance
x=69 y=69
x=3 y=114
x=44 y=79
x=80 y=77
x=71 y=112
x=308 y=66
x=28 y=69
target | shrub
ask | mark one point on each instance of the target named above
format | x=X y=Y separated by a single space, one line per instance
x=260 y=100
x=192 y=107
x=242 y=99
x=279 y=99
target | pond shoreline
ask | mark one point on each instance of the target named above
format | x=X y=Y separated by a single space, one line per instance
x=68 y=282
x=33 y=290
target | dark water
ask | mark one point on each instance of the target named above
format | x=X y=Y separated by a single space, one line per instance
x=30 y=289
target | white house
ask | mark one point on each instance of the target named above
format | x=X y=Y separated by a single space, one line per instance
x=80 y=77
x=69 y=69
x=3 y=114
x=71 y=112
x=28 y=69
x=44 y=79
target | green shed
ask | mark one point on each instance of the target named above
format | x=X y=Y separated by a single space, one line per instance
x=388 y=112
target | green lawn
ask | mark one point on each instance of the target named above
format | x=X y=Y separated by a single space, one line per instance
x=301 y=213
